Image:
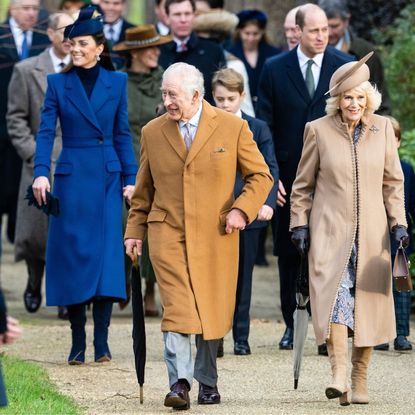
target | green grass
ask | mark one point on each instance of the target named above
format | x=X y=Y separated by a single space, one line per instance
x=30 y=391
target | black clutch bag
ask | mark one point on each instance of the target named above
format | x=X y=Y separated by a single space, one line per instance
x=401 y=273
x=52 y=202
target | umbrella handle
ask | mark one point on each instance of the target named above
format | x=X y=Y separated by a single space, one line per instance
x=135 y=260
x=141 y=394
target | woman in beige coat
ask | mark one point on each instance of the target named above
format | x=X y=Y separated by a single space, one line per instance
x=347 y=196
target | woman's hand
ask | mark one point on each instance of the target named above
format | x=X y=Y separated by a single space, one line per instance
x=265 y=213
x=401 y=234
x=40 y=186
x=127 y=192
x=301 y=239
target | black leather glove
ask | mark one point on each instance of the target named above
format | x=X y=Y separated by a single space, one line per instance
x=401 y=234
x=301 y=239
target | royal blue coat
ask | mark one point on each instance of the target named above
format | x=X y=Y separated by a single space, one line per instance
x=84 y=255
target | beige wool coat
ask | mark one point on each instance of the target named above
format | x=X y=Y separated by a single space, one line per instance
x=27 y=90
x=182 y=200
x=341 y=192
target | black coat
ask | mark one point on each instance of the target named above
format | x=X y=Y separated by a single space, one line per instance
x=285 y=104
x=118 y=59
x=10 y=163
x=206 y=55
x=265 y=51
x=263 y=138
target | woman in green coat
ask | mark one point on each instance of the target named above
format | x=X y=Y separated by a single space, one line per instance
x=144 y=99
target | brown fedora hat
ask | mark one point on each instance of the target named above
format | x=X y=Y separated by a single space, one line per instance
x=143 y=36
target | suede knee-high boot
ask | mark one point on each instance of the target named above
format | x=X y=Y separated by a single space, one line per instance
x=101 y=312
x=77 y=318
x=360 y=362
x=338 y=352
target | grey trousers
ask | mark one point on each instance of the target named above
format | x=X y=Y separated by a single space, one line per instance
x=178 y=358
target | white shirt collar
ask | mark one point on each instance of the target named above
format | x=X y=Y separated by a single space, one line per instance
x=56 y=61
x=18 y=35
x=117 y=26
x=179 y=42
x=194 y=121
x=303 y=59
x=238 y=113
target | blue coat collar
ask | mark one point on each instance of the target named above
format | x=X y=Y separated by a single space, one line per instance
x=89 y=108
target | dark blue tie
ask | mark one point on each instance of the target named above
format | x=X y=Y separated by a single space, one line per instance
x=25 y=47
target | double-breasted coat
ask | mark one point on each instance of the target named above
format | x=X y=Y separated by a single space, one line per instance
x=84 y=255
x=23 y=120
x=183 y=199
x=346 y=194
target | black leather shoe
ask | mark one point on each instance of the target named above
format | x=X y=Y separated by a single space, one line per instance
x=286 y=342
x=220 y=351
x=322 y=350
x=383 y=346
x=208 y=395
x=178 y=397
x=402 y=343
x=32 y=300
x=241 y=348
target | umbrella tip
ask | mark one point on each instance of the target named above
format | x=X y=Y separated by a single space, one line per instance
x=141 y=394
x=295 y=383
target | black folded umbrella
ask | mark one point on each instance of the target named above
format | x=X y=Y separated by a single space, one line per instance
x=139 y=331
x=52 y=202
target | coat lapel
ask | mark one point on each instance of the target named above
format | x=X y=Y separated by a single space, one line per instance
x=101 y=91
x=77 y=95
x=171 y=131
x=207 y=125
x=44 y=66
x=295 y=75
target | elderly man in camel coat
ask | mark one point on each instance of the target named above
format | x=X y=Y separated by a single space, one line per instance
x=184 y=202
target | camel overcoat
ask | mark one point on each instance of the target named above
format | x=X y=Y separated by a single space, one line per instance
x=27 y=90
x=182 y=199
x=340 y=191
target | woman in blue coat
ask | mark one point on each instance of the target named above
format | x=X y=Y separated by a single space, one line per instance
x=96 y=168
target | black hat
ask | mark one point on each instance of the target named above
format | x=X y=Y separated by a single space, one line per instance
x=86 y=24
x=252 y=14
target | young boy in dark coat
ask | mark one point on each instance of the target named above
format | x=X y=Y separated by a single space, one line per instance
x=228 y=93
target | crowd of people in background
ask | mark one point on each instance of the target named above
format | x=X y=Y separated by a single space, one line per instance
x=93 y=90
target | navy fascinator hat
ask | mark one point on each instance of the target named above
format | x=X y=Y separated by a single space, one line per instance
x=87 y=23
x=252 y=14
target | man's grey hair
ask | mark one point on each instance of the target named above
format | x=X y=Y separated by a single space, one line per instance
x=55 y=18
x=191 y=77
x=335 y=9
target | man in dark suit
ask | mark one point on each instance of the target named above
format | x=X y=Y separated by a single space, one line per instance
x=228 y=93
x=342 y=38
x=187 y=47
x=19 y=40
x=114 y=27
x=292 y=92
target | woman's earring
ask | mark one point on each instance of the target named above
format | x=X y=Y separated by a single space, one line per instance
x=98 y=58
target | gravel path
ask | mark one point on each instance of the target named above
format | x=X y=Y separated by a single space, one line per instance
x=257 y=384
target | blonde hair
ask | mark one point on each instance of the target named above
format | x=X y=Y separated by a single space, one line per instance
x=373 y=96
x=230 y=79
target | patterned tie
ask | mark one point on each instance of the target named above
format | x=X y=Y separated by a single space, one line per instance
x=187 y=136
x=25 y=47
x=110 y=40
x=182 y=47
x=309 y=78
